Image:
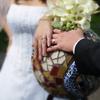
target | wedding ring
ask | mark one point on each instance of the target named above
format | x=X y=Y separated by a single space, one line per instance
x=53 y=41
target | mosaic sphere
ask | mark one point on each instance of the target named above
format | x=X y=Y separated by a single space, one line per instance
x=51 y=70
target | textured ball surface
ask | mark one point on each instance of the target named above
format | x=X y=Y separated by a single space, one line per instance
x=51 y=70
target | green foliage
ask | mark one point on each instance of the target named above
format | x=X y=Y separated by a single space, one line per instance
x=3 y=41
x=95 y=23
x=65 y=26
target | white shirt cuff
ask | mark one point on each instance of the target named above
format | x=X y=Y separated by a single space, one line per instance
x=76 y=44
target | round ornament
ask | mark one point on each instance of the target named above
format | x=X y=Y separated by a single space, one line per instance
x=53 y=68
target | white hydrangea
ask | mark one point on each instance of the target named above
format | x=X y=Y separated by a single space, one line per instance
x=77 y=12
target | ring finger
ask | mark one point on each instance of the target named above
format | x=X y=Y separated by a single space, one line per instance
x=54 y=41
x=44 y=43
x=39 y=49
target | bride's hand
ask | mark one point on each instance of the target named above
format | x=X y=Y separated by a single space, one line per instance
x=42 y=38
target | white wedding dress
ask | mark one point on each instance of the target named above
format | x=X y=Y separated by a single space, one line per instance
x=17 y=81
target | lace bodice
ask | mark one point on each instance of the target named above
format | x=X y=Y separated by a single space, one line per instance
x=23 y=21
x=23 y=18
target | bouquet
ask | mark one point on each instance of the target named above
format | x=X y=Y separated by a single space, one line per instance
x=70 y=14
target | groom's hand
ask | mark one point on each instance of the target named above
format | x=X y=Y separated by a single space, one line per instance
x=65 y=41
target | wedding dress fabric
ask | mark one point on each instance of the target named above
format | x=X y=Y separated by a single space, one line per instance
x=17 y=81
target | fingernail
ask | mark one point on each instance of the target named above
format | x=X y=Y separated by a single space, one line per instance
x=48 y=44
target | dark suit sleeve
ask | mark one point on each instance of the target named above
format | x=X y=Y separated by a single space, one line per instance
x=87 y=57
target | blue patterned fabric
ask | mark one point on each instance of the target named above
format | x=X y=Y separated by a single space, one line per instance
x=70 y=82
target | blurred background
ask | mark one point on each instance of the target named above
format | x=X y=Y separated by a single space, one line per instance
x=95 y=26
